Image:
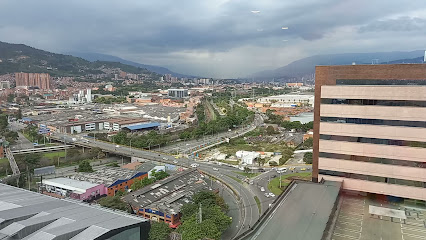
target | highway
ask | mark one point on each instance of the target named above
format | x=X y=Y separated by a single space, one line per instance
x=249 y=210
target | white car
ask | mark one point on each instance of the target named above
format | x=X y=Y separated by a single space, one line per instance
x=271 y=195
x=215 y=169
x=262 y=189
x=194 y=165
x=117 y=146
x=266 y=195
x=175 y=161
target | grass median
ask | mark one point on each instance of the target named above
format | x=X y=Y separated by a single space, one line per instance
x=249 y=175
x=274 y=184
x=258 y=204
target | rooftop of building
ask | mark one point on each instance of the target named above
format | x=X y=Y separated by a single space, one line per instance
x=169 y=195
x=302 y=214
x=70 y=184
x=143 y=126
x=132 y=166
x=30 y=215
x=106 y=175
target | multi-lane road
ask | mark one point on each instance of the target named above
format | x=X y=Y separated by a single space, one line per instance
x=249 y=212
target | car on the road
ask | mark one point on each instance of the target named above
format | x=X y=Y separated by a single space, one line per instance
x=194 y=165
x=262 y=189
x=164 y=158
x=251 y=182
x=175 y=161
x=117 y=146
x=215 y=169
x=271 y=195
x=292 y=168
x=266 y=194
x=282 y=170
x=303 y=169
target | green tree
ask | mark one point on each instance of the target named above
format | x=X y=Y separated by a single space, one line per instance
x=307 y=158
x=246 y=169
x=85 y=166
x=32 y=160
x=114 y=202
x=159 y=231
x=19 y=114
x=270 y=130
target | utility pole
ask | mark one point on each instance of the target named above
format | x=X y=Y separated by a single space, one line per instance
x=200 y=215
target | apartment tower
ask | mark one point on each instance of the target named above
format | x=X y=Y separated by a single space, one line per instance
x=370 y=128
x=40 y=80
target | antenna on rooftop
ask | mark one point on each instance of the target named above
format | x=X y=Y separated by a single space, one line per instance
x=424 y=58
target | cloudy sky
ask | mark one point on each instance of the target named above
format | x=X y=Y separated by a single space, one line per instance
x=219 y=38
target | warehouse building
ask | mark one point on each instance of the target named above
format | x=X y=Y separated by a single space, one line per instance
x=66 y=187
x=162 y=201
x=114 y=179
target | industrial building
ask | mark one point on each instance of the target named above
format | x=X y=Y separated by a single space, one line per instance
x=111 y=125
x=80 y=190
x=162 y=201
x=114 y=179
x=30 y=215
x=370 y=128
x=177 y=93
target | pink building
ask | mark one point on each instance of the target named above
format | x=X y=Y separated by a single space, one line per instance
x=80 y=190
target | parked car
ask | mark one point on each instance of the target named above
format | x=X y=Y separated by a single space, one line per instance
x=271 y=195
x=215 y=169
x=266 y=194
x=262 y=189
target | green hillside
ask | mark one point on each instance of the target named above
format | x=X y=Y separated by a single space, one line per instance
x=22 y=58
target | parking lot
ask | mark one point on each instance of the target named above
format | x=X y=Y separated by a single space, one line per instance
x=355 y=222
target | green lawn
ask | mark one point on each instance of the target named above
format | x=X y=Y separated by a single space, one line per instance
x=2 y=160
x=258 y=204
x=229 y=162
x=249 y=175
x=274 y=184
x=53 y=155
x=236 y=179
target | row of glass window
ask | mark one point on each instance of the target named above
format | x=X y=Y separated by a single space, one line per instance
x=393 y=103
x=396 y=123
x=374 y=140
x=379 y=82
x=374 y=178
x=373 y=160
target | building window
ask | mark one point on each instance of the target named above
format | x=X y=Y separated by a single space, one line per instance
x=395 y=181
x=372 y=160
x=396 y=123
x=379 y=82
x=374 y=140
x=392 y=103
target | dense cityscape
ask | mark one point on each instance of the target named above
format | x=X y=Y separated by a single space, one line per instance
x=328 y=147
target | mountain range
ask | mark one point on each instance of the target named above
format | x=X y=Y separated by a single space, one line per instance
x=307 y=65
x=22 y=58
x=92 y=57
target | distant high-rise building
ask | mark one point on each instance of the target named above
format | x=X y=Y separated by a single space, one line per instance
x=4 y=85
x=178 y=93
x=89 y=95
x=370 y=128
x=40 y=80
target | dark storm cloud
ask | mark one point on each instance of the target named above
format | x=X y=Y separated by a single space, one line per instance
x=147 y=28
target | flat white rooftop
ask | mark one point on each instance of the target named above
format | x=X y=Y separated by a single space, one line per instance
x=70 y=184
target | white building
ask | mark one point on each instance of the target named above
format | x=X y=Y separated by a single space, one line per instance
x=247 y=157
x=177 y=93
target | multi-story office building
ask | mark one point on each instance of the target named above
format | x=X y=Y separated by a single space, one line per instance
x=178 y=93
x=370 y=128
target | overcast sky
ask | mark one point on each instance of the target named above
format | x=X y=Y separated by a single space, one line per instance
x=219 y=38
